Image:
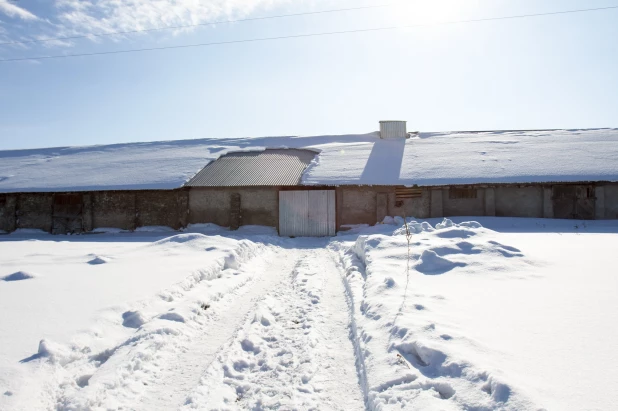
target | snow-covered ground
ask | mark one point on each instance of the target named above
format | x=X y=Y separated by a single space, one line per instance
x=519 y=319
x=514 y=314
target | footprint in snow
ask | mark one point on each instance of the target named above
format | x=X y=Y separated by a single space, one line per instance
x=248 y=346
x=173 y=317
x=83 y=381
x=133 y=319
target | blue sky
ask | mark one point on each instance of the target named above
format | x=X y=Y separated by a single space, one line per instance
x=542 y=72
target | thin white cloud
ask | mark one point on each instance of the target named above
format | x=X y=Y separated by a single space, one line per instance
x=99 y=16
x=68 y=18
x=14 y=11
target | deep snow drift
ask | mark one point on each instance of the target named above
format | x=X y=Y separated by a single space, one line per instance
x=512 y=314
x=427 y=159
x=488 y=320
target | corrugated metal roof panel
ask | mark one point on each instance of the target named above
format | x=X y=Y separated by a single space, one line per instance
x=273 y=167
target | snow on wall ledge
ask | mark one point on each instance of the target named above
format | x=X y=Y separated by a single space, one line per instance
x=427 y=160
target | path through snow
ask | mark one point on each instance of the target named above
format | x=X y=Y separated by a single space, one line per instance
x=294 y=350
x=279 y=339
x=181 y=376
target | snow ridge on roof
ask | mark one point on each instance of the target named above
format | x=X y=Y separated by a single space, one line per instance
x=427 y=159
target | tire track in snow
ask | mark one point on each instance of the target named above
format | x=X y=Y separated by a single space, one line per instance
x=181 y=376
x=155 y=367
x=336 y=320
x=294 y=352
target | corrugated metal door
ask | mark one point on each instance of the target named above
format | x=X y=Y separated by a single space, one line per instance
x=307 y=213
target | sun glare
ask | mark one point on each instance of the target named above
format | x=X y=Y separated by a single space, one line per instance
x=425 y=11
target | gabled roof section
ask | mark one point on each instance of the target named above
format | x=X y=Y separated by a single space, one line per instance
x=271 y=167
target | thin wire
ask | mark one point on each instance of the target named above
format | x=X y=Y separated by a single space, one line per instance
x=211 y=23
x=331 y=33
x=521 y=16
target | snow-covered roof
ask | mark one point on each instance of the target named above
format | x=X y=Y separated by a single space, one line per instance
x=426 y=160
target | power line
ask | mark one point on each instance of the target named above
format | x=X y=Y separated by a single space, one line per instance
x=521 y=16
x=184 y=26
x=331 y=33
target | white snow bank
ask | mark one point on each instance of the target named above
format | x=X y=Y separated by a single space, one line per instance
x=257 y=230
x=109 y=230
x=431 y=159
x=92 y=293
x=155 y=229
x=431 y=263
x=210 y=229
x=485 y=320
x=28 y=232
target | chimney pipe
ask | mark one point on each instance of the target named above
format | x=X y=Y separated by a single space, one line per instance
x=393 y=130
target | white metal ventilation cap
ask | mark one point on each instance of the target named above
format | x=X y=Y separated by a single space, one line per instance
x=393 y=129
